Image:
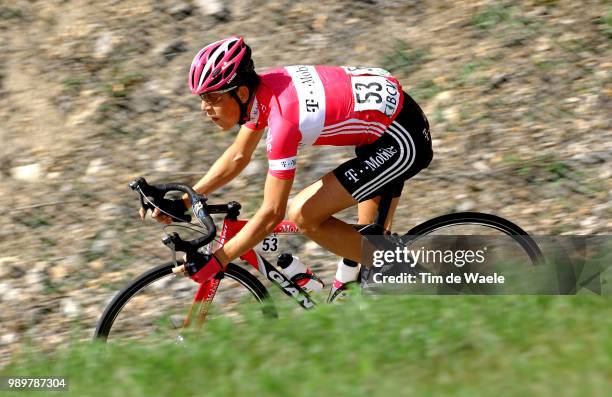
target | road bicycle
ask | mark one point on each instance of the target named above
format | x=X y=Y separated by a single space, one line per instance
x=165 y=303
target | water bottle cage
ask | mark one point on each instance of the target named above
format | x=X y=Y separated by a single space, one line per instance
x=306 y=276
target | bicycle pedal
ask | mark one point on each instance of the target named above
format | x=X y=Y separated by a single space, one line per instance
x=342 y=293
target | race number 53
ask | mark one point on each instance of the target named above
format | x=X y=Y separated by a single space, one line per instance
x=375 y=93
x=270 y=244
x=369 y=91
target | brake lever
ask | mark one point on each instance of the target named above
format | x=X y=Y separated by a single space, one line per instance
x=136 y=186
x=168 y=241
x=143 y=205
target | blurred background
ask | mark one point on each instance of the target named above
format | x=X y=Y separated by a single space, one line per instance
x=94 y=94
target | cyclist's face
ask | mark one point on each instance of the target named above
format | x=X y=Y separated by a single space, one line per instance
x=221 y=108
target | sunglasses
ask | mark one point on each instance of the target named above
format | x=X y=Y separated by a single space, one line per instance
x=213 y=98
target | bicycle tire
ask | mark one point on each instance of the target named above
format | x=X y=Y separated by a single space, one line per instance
x=478 y=218
x=237 y=273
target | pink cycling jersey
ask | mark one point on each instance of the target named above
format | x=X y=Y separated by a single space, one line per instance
x=321 y=105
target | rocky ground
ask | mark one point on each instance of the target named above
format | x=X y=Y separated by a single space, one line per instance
x=93 y=94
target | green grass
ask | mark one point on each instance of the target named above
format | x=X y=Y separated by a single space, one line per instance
x=425 y=90
x=400 y=346
x=72 y=85
x=491 y=16
x=7 y=13
x=511 y=23
x=467 y=74
x=35 y=220
x=403 y=59
x=124 y=84
x=544 y=168
x=606 y=23
x=546 y=65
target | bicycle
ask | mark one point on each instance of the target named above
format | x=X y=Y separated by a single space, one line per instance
x=166 y=322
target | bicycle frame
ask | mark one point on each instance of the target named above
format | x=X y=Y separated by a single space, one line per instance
x=232 y=225
x=207 y=290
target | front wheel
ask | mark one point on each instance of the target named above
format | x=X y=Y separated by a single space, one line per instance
x=157 y=302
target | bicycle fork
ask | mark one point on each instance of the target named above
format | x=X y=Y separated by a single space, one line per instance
x=202 y=301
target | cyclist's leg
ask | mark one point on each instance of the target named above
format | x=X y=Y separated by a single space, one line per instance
x=313 y=207
x=312 y=210
x=413 y=123
x=399 y=154
x=368 y=210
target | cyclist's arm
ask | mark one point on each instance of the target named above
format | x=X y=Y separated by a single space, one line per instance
x=231 y=163
x=270 y=214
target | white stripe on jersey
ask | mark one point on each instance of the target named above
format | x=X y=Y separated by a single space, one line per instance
x=355 y=128
x=348 y=133
x=288 y=163
x=311 y=98
x=355 y=121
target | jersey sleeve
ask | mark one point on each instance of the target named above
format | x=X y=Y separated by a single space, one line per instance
x=282 y=146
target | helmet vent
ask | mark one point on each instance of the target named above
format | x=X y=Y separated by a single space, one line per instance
x=219 y=58
x=216 y=80
x=227 y=73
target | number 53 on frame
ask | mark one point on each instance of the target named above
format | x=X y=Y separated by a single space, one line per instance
x=269 y=244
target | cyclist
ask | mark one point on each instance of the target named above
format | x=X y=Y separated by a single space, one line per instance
x=308 y=105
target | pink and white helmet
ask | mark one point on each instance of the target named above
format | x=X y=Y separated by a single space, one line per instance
x=216 y=66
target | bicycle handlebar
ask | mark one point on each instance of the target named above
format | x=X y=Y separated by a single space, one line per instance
x=198 y=207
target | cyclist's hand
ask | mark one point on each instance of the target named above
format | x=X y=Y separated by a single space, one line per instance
x=168 y=210
x=142 y=212
x=205 y=269
x=161 y=217
x=157 y=215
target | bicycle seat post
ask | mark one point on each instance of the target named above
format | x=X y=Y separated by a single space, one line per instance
x=383 y=208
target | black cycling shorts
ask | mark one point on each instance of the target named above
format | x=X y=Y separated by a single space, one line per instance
x=399 y=154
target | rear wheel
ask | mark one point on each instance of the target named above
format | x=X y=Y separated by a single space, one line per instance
x=497 y=243
x=156 y=303
x=476 y=224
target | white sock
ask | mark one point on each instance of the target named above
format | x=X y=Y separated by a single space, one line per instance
x=345 y=273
